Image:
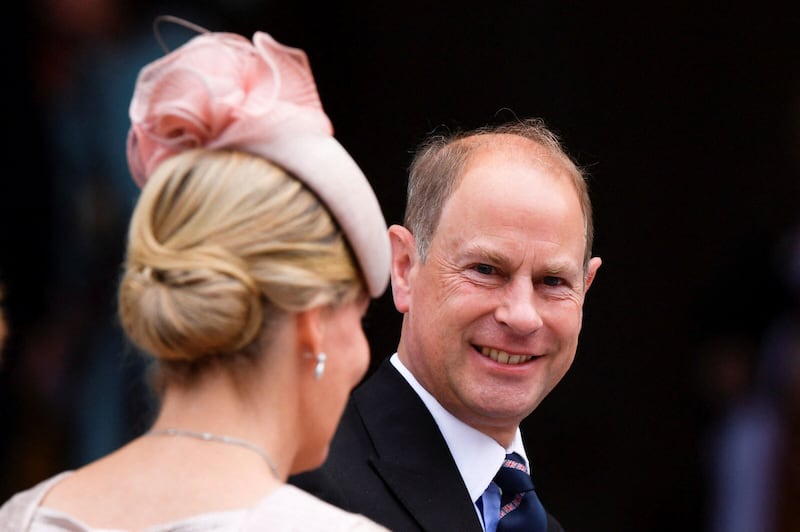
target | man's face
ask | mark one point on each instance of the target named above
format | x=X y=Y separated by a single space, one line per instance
x=493 y=315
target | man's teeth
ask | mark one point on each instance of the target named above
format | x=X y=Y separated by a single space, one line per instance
x=503 y=357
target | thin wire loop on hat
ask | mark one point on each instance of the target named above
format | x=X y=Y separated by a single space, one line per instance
x=175 y=20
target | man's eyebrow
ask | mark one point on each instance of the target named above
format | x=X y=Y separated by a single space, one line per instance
x=559 y=266
x=563 y=267
x=478 y=251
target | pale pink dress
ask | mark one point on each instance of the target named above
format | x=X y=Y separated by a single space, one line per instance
x=286 y=509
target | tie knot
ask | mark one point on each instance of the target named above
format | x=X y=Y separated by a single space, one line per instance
x=520 y=508
x=513 y=475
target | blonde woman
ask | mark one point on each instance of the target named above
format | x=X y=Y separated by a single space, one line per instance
x=252 y=255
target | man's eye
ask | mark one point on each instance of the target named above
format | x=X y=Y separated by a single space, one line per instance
x=484 y=269
x=553 y=281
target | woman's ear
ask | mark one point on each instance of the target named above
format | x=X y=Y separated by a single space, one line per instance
x=309 y=331
x=404 y=256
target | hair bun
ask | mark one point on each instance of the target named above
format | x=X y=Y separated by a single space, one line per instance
x=187 y=313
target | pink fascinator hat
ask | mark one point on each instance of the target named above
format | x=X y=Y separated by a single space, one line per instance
x=222 y=91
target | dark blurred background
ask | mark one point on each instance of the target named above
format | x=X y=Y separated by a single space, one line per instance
x=681 y=410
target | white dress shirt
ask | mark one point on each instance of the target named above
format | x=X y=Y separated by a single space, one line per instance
x=477 y=456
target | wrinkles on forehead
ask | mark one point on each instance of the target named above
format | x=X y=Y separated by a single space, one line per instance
x=555 y=163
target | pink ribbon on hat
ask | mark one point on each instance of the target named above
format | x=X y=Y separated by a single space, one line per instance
x=220 y=91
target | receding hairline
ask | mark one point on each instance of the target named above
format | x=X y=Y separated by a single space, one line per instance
x=441 y=161
x=545 y=151
x=548 y=156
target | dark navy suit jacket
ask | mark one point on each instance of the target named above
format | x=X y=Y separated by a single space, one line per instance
x=389 y=461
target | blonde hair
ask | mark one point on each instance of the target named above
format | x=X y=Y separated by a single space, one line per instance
x=220 y=243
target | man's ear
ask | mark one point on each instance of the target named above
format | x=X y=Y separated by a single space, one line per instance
x=309 y=331
x=404 y=257
x=591 y=272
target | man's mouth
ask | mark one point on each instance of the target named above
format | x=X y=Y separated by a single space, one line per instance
x=504 y=358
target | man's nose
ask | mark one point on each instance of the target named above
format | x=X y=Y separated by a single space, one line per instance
x=518 y=309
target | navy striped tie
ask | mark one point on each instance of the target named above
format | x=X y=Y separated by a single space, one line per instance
x=520 y=508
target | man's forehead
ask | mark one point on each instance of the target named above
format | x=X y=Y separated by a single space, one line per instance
x=501 y=141
x=492 y=147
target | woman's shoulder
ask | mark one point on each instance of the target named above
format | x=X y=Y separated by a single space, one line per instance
x=293 y=509
x=18 y=512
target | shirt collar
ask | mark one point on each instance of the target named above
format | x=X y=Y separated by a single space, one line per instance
x=477 y=456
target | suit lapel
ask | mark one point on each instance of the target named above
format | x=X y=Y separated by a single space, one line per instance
x=411 y=454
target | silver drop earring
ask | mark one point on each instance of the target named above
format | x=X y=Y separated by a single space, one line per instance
x=319 y=369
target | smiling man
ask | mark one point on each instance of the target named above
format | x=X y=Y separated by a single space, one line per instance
x=490 y=271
